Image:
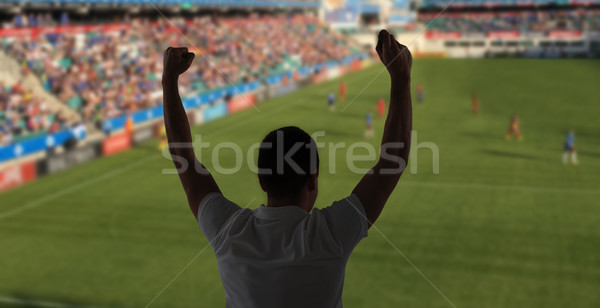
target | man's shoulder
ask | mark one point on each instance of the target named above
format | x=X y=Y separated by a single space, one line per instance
x=215 y=213
x=346 y=219
x=349 y=201
x=215 y=201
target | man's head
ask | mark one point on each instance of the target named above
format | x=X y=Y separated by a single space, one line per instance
x=288 y=165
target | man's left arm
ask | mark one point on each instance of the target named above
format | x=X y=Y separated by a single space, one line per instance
x=195 y=178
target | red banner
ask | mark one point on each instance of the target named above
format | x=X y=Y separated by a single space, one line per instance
x=503 y=34
x=16 y=175
x=24 y=32
x=442 y=35
x=240 y=102
x=344 y=69
x=564 y=34
x=116 y=143
x=37 y=31
x=320 y=77
x=356 y=65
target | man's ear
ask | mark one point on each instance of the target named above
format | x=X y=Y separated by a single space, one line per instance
x=261 y=184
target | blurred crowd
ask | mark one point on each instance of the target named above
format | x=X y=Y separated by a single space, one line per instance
x=527 y=21
x=23 y=114
x=37 y=20
x=107 y=74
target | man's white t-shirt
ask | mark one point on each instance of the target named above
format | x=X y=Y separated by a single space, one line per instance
x=282 y=256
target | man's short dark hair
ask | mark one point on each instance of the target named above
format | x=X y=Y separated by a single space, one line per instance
x=286 y=159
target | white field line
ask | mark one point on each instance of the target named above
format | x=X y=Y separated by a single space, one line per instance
x=538 y=189
x=67 y=190
x=466 y=185
x=15 y=301
x=73 y=188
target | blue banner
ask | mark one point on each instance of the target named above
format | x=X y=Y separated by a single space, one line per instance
x=36 y=144
x=188 y=102
x=274 y=79
x=342 y=11
x=214 y=112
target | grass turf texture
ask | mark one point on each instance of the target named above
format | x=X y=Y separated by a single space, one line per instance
x=504 y=223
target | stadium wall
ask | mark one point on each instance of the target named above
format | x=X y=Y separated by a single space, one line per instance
x=38 y=144
x=554 y=44
x=16 y=175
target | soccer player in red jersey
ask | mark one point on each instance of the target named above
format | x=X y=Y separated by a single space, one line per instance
x=475 y=104
x=514 y=128
x=343 y=91
x=380 y=107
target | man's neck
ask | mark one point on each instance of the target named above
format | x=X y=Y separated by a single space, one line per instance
x=285 y=201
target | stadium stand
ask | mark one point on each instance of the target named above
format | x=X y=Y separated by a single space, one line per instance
x=105 y=74
x=112 y=70
x=509 y=28
x=523 y=21
x=37 y=20
x=170 y=3
x=500 y=3
x=24 y=115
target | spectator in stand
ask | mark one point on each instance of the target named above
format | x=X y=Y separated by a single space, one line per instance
x=3 y=139
x=22 y=113
x=31 y=20
x=64 y=18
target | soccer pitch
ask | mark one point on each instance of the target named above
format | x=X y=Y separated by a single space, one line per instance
x=503 y=224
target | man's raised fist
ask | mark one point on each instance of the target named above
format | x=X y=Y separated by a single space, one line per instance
x=395 y=56
x=176 y=61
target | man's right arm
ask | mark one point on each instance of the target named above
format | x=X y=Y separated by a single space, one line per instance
x=377 y=185
x=196 y=180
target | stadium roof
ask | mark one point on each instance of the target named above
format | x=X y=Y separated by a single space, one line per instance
x=257 y=3
x=488 y=3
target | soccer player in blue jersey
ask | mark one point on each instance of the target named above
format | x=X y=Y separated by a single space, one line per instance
x=420 y=94
x=570 y=149
x=369 y=132
x=331 y=101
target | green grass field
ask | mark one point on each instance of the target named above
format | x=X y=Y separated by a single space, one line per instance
x=503 y=224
